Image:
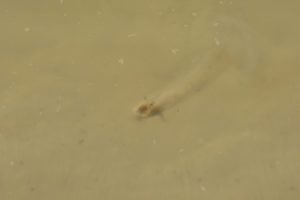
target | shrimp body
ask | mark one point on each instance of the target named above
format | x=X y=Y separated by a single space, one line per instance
x=235 y=48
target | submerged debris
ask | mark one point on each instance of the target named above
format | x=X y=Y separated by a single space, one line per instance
x=121 y=61
x=174 y=51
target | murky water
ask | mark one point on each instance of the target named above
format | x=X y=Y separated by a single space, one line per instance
x=227 y=122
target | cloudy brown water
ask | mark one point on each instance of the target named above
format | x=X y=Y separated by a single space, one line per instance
x=72 y=71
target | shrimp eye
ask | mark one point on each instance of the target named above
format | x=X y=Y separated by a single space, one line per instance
x=143 y=108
